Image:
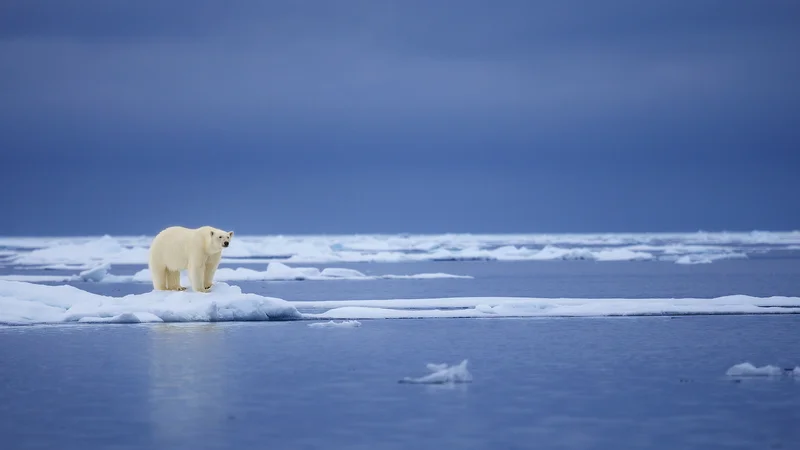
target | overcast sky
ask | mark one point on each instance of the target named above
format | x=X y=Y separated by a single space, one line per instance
x=123 y=117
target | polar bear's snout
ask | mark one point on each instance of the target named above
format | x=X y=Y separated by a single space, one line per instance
x=225 y=244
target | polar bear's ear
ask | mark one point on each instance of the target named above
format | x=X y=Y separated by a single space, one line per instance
x=212 y=233
x=230 y=233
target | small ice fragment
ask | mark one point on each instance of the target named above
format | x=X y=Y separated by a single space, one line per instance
x=442 y=374
x=95 y=274
x=748 y=370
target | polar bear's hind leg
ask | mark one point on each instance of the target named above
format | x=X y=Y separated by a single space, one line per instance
x=159 y=275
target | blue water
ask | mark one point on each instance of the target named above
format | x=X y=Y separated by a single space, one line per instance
x=605 y=383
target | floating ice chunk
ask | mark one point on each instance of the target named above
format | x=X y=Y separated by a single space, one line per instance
x=278 y=271
x=26 y=303
x=746 y=369
x=423 y=276
x=32 y=303
x=69 y=267
x=281 y=272
x=96 y=273
x=104 y=249
x=333 y=272
x=614 y=254
x=334 y=324
x=442 y=374
x=707 y=258
x=622 y=254
x=488 y=307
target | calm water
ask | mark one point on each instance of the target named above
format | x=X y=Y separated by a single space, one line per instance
x=605 y=383
x=554 y=383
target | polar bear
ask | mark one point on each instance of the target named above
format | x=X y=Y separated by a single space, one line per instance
x=177 y=248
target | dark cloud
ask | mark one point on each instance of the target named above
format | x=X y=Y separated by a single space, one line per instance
x=376 y=86
x=381 y=63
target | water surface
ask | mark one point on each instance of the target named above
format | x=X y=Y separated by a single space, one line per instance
x=538 y=383
x=605 y=383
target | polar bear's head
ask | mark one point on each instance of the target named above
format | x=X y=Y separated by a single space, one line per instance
x=219 y=239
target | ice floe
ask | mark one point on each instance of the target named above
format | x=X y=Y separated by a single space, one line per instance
x=86 y=252
x=29 y=303
x=275 y=272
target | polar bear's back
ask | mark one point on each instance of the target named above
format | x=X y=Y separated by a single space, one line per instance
x=173 y=246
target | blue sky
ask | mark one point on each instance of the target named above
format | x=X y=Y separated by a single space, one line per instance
x=399 y=116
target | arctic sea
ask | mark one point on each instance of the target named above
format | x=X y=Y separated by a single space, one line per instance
x=600 y=341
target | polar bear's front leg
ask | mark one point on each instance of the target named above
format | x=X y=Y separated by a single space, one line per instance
x=196 y=273
x=211 y=268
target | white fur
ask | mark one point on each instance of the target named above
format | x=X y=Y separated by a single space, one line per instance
x=178 y=248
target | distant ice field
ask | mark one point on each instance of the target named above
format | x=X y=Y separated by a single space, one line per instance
x=680 y=248
x=482 y=289
x=105 y=279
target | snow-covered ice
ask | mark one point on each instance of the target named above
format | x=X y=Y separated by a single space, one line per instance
x=442 y=373
x=28 y=303
x=281 y=272
x=334 y=324
x=79 y=251
x=488 y=307
x=275 y=272
x=86 y=252
x=708 y=258
x=96 y=274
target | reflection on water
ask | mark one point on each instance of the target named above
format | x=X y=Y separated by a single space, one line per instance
x=187 y=378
